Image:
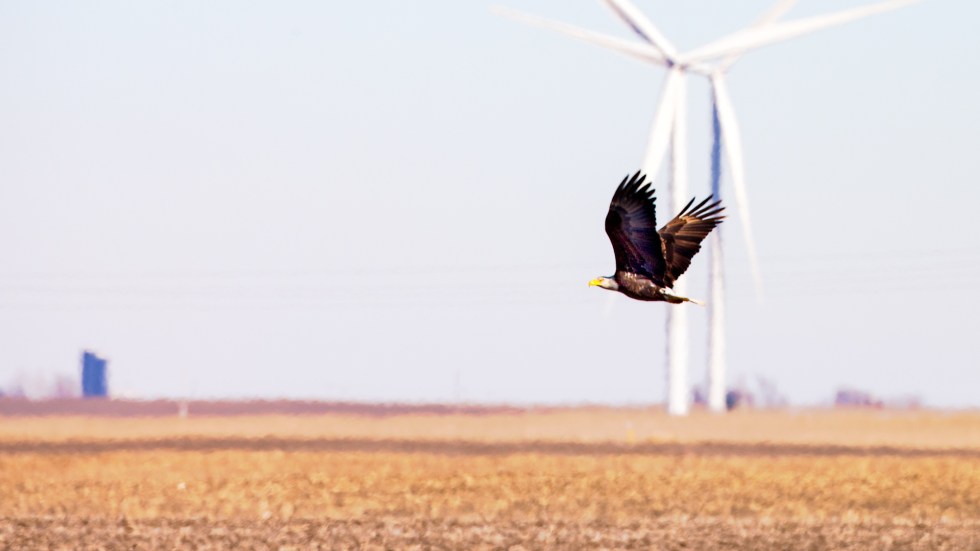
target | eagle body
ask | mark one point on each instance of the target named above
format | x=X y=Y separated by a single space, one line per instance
x=648 y=261
x=639 y=287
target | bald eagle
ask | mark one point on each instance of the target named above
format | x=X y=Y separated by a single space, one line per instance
x=647 y=262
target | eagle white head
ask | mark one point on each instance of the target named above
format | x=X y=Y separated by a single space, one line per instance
x=605 y=283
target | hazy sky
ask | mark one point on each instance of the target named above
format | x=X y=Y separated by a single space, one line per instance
x=404 y=200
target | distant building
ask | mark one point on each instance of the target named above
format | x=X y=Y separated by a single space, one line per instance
x=735 y=398
x=739 y=398
x=849 y=397
x=94 y=384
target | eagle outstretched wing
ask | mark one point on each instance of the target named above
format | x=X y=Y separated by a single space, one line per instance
x=683 y=235
x=631 y=225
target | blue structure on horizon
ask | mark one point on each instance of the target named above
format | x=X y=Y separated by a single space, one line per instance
x=94 y=384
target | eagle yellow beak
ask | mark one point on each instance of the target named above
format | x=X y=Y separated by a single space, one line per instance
x=595 y=282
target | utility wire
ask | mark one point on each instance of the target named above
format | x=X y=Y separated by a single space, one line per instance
x=841 y=274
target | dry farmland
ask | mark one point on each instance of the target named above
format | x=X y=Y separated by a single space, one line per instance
x=494 y=479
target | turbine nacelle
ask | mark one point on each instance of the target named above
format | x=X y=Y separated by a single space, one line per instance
x=691 y=66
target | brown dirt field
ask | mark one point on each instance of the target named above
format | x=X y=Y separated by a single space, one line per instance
x=592 y=478
x=907 y=429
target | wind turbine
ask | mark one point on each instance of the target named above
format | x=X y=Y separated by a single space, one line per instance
x=670 y=129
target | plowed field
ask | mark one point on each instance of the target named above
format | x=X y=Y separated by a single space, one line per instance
x=223 y=483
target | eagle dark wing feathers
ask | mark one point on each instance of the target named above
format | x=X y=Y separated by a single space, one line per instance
x=632 y=228
x=683 y=235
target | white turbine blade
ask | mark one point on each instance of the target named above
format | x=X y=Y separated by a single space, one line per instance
x=732 y=144
x=715 y=149
x=716 y=283
x=774 y=14
x=663 y=122
x=642 y=26
x=757 y=37
x=608 y=307
x=642 y=51
x=677 y=343
x=678 y=147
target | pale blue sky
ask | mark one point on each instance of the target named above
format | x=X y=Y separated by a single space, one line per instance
x=360 y=200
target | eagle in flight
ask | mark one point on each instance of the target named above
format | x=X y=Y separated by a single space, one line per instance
x=648 y=262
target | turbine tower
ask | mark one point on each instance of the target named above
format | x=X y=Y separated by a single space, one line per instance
x=670 y=129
